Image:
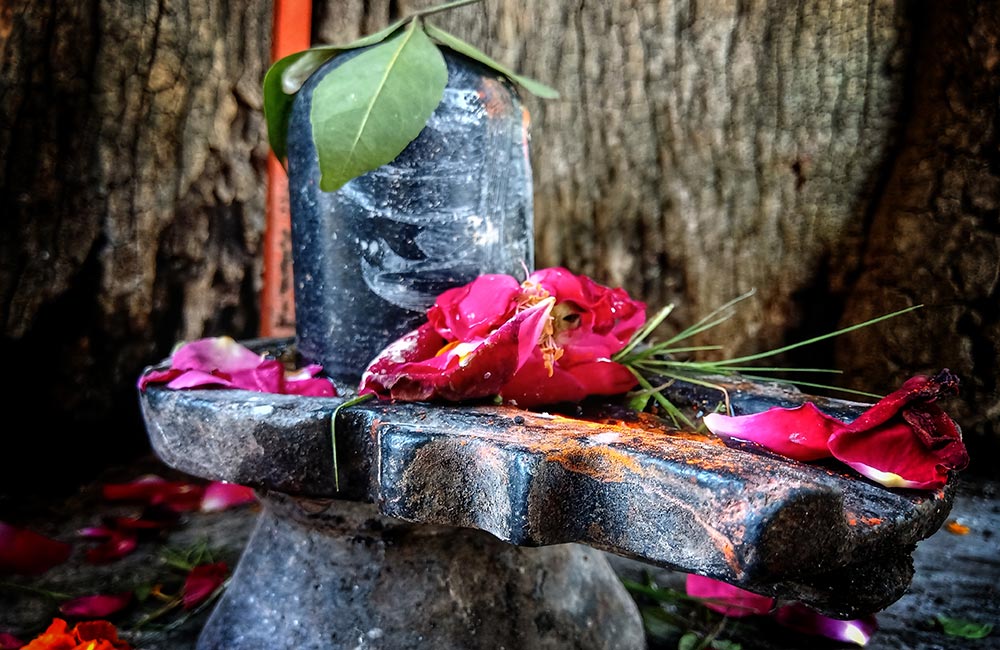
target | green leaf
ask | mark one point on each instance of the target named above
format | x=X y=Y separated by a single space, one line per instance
x=366 y=111
x=287 y=75
x=962 y=628
x=689 y=641
x=723 y=644
x=278 y=104
x=469 y=50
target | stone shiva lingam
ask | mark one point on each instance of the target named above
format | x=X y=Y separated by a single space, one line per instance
x=458 y=526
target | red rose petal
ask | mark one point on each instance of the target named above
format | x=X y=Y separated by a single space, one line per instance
x=202 y=581
x=96 y=606
x=890 y=455
x=10 y=642
x=476 y=309
x=221 y=496
x=800 y=433
x=727 y=599
x=119 y=545
x=28 y=553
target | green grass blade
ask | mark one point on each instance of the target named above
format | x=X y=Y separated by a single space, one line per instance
x=822 y=337
x=643 y=332
x=333 y=432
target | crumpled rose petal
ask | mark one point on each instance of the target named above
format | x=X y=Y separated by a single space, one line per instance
x=728 y=600
x=221 y=362
x=221 y=496
x=906 y=439
x=800 y=433
x=10 y=642
x=96 y=606
x=26 y=552
x=202 y=581
x=800 y=618
x=422 y=365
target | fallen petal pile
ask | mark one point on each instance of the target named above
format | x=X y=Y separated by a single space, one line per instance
x=221 y=362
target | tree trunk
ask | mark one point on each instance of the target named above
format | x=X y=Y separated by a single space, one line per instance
x=132 y=191
x=838 y=158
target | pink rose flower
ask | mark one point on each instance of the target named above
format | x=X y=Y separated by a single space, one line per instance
x=549 y=339
x=905 y=440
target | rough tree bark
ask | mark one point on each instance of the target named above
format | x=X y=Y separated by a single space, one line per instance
x=839 y=158
x=131 y=189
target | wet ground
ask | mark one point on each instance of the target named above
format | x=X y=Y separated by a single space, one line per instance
x=957 y=575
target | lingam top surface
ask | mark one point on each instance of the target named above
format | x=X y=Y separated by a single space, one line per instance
x=604 y=476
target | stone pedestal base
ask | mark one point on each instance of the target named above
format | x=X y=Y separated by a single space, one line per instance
x=324 y=575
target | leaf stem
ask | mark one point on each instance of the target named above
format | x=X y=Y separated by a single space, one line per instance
x=333 y=431
x=429 y=11
x=54 y=595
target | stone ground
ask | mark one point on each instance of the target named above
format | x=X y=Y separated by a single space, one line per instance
x=956 y=575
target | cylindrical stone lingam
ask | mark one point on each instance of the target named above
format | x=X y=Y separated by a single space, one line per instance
x=370 y=258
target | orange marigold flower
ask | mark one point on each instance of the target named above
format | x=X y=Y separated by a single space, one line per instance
x=87 y=635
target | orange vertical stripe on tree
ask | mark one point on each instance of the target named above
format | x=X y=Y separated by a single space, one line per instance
x=291 y=33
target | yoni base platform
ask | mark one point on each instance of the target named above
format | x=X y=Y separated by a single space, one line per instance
x=326 y=570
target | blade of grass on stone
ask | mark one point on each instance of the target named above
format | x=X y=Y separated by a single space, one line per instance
x=822 y=337
x=643 y=332
x=366 y=111
x=708 y=321
x=675 y=413
x=808 y=384
x=471 y=51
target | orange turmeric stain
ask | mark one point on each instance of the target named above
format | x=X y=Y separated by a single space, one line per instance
x=599 y=462
x=956 y=528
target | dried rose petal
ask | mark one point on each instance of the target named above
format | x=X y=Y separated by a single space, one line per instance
x=800 y=433
x=28 y=553
x=727 y=599
x=221 y=496
x=202 y=581
x=906 y=439
x=800 y=618
x=96 y=606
